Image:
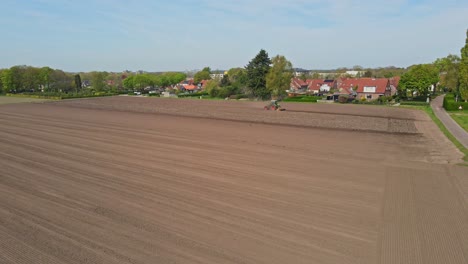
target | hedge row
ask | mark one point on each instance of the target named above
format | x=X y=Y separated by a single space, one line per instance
x=182 y=95
x=305 y=99
x=450 y=104
x=416 y=103
x=59 y=96
x=34 y=96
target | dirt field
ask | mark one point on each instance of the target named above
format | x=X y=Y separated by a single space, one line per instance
x=79 y=184
x=16 y=100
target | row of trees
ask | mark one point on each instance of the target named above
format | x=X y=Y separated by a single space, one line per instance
x=140 y=81
x=21 y=79
x=18 y=79
x=28 y=79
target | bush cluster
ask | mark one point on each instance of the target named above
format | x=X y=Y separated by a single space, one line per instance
x=450 y=104
x=304 y=99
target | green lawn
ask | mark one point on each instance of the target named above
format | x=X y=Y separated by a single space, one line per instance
x=461 y=118
x=14 y=100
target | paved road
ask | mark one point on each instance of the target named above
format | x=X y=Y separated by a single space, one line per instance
x=458 y=132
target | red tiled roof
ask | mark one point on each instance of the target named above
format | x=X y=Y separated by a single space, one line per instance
x=380 y=84
x=298 y=83
x=315 y=84
x=190 y=87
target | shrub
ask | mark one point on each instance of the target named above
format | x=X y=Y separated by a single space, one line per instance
x=450 y=105
x=385 y=99
x=414 y=103
x=304 y=99
x=343 y=99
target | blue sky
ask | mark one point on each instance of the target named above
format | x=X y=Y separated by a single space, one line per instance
x=116 y=35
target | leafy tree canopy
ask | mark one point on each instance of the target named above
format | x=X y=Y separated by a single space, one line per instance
x=463 y=71
x=279 y=76
x=419 y=78
x=448 y=70
x=202 y=75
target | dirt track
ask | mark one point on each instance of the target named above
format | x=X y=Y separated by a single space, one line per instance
x=80 y=185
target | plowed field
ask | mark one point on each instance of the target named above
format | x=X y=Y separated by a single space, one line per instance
x=143 y=180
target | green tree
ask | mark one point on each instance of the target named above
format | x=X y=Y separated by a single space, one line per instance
x=238 y=76
x=17 y=78
x=367 y=74
x=142 y=81
x=1 y=82
x=419 y=78
x=98 y=81
x=225 y=81
x=128 y=82
x=31 y=79
x=60 y=81
x=257 y=69
x=463 y=71
x=44 y=77
x=448 y=68
x=7 y=80
x=77 y=82
x=202 y=75
x=175 y=77
x=212 y=88
x=279 y=76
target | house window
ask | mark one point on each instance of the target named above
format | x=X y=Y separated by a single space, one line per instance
x=369 y=96
x=369 y=89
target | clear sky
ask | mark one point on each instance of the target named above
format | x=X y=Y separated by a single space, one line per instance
x=116 y=35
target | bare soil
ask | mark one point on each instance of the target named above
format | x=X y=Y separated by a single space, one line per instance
x=17 y=100
x=370 y=119
x=80 y=183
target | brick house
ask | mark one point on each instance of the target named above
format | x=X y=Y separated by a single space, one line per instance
x=368 y=88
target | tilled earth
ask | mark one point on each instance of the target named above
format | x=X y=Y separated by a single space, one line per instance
x=140 y=185
x=367 y=118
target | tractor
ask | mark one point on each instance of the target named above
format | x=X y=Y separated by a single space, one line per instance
x=273 y=105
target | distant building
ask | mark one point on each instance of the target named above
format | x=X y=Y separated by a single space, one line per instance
x=309 y=86
x=217 y=76
x=355 y=73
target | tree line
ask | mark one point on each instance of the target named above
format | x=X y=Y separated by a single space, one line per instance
x=28 y=79
x=140 y=81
